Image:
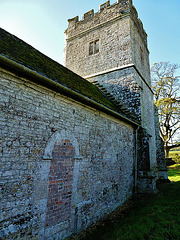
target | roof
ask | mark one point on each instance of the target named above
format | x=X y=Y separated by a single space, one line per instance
x=23 y=54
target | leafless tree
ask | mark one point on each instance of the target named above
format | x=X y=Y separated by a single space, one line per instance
x=166 y=88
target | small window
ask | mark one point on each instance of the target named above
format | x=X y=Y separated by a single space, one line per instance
x=91 y=47
x=94 y=47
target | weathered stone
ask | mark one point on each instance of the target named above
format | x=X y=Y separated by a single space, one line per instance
x=121 y=66
x=68 y=157
x=102 y=173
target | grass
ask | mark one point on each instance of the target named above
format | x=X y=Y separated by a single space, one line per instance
x=157 y=218
x=174 y=173
x=175 y=155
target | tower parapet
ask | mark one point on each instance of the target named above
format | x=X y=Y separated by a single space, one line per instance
x=107 y=12
x=109 y=48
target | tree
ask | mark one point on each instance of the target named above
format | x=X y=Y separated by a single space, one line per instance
x=166 y=88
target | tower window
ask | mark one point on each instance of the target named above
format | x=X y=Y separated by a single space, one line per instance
x=94 y=47
x=91 y=46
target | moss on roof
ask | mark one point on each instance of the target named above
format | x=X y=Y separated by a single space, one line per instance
x=17 y=50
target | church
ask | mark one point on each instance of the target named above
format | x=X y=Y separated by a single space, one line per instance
x=79 y=140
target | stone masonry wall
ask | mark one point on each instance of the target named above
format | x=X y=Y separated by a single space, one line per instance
x=129 y=89
x=147 y=116
x=114 y=49
x=58 y=156
x=122 y=85
x=122 y=40
x=140 y=53
x=122 y=64
x=91 y=19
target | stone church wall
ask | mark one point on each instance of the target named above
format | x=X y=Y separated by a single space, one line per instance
x=63 y=165
x=123 y=87
x=114 y=48
x=122 y=64
x=139 y=47
x=128 y=88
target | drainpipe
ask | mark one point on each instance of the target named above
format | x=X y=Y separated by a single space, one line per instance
x=136 y=159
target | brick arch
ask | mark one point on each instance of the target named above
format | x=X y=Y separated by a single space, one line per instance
x=57 y=136
x=60 y=183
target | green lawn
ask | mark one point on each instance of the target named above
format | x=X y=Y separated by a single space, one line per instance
x=174 y=172
x=175 y=155
x=157 y=218
x=174 y=152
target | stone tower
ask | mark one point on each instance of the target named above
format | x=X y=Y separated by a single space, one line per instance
x=109 y=48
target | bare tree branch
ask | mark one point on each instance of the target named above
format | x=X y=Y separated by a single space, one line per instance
x=166 y=86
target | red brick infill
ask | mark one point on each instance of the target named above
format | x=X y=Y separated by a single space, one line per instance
x=60 y=183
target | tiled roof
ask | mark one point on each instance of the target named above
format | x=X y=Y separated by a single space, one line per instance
x=25 y=55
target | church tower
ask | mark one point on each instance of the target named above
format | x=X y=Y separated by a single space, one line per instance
x=109 y=49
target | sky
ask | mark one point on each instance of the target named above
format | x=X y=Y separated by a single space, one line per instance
x=42 y=23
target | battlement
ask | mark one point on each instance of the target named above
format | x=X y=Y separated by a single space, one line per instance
x=107 y=12
x=104 y=5
x=122 y=5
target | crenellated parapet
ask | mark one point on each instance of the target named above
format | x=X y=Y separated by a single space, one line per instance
x=107 y=12
x=104 y=5
x=91 y=19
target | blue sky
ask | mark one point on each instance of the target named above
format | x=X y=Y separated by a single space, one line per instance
x=42 y=23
